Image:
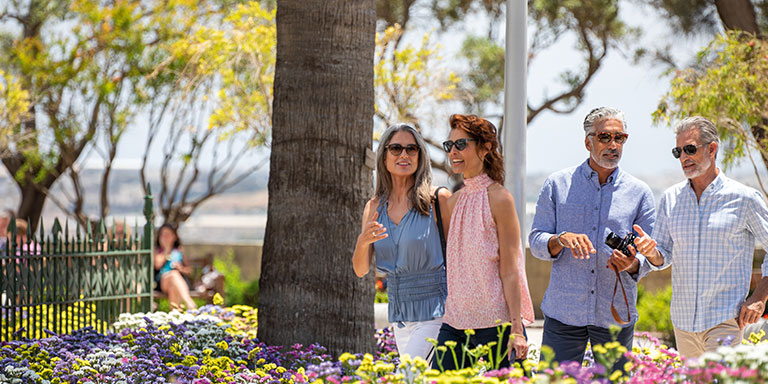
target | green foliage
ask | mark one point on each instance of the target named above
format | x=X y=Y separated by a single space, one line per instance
x=486 y=76
x=409 y=79
x=234 y=61
x=653 y=312
x=236 y=290
x=381 y=297
x=729 y=86
x=14 y=106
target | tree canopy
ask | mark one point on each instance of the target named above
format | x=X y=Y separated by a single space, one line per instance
x=728 y=80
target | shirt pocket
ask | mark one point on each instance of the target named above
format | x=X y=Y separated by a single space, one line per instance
x=571 y=217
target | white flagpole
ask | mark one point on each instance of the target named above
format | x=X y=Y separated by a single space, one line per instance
x=515 y=104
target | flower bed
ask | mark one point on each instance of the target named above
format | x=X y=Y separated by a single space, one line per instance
x=219 y=345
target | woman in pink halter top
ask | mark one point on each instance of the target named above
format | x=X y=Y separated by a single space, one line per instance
x=487 y=286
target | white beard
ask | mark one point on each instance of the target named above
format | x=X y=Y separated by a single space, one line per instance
x=607 y=164
x=699 y=170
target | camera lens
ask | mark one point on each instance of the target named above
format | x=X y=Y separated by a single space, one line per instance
x=613 y=240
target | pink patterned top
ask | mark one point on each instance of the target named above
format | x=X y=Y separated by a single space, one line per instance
x=475 y=294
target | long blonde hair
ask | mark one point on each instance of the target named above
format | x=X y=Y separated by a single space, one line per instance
x=420 y=194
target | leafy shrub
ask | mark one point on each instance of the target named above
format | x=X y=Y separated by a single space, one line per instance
x=654 y=316
x=381 y=297
x=236 y=290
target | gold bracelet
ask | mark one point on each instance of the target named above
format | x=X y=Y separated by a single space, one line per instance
x=517 y=334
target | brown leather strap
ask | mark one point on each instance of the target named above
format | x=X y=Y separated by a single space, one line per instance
x=614 y=312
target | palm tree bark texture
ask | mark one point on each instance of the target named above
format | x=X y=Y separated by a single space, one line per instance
x=319 y=181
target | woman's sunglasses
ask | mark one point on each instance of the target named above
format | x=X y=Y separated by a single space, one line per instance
x=460 y=144
x=606 y=137
x=397 y=149
x=689 y=150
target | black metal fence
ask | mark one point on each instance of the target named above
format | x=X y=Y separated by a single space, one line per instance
x=74 y=277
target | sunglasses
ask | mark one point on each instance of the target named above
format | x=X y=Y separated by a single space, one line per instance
x=689 y=150
x=606 y=137
x=397 y=149
x=460 y=144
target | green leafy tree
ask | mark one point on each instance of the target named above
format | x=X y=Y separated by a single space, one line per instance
x=202 y=70
x=595 y=26
x=220 y=101
x=14 y=106
x=727 y=80
x=82 y=63
x=410 y=81
x=728 y=85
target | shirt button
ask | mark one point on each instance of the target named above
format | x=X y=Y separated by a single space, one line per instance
x=592 y=292
x=594 y=228
x=596 y=208
x=593 y=271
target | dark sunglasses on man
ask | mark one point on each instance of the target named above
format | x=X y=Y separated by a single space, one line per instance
x=397 y=149
x=460 y=144
x=606 y=137
x=689 y=150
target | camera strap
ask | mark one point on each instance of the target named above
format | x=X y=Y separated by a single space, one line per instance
x=614 y=312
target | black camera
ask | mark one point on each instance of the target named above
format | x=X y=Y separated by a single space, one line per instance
x=615 y=242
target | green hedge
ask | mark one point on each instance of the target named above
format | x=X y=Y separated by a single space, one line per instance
x=654 y=316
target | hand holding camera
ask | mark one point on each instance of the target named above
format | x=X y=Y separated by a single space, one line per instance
x=624 y=251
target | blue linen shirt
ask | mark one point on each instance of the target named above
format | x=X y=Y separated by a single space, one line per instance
x=711 y=243
x=573 y=200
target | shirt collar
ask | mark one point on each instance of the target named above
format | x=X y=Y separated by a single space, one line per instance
x=717 y=183
x=589 y=173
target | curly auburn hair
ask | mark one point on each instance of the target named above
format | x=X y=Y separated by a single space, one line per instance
x=483 y=131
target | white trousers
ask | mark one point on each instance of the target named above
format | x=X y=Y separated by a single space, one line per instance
x=412 y=339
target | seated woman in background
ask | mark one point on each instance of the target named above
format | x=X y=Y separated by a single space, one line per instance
x=170 y=265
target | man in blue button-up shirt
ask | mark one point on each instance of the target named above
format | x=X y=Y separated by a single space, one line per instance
x=707 y=228
x=577 y=208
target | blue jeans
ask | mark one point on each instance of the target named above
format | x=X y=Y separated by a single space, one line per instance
x=570 y=342
x=482 y=336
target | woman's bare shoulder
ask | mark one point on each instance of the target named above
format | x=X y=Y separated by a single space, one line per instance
x=497 y=194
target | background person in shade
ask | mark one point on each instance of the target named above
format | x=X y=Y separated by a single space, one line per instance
x=399 y=227
x=577 y=208
x=486 y=280
x=171 y=267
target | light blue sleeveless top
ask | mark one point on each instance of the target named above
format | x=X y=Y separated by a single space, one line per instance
x=412 y=258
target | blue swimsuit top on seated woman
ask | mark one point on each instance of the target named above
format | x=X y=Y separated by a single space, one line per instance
x=412 y=258
x=175 y=257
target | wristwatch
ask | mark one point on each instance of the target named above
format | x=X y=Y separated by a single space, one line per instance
x=558 y=239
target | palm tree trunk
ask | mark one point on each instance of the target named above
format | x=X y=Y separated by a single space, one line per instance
x=318 y=185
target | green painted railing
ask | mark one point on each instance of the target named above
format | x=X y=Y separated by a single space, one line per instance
x=74 y=278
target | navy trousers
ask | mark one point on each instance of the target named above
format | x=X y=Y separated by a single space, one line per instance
x=482 y=336
x=570 y=342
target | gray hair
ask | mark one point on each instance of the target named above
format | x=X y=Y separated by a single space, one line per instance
x=420 y=194
x=600 y=114
x=707 y=130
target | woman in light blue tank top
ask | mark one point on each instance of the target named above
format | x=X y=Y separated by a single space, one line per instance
x=399 y=227
x=170 y=267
